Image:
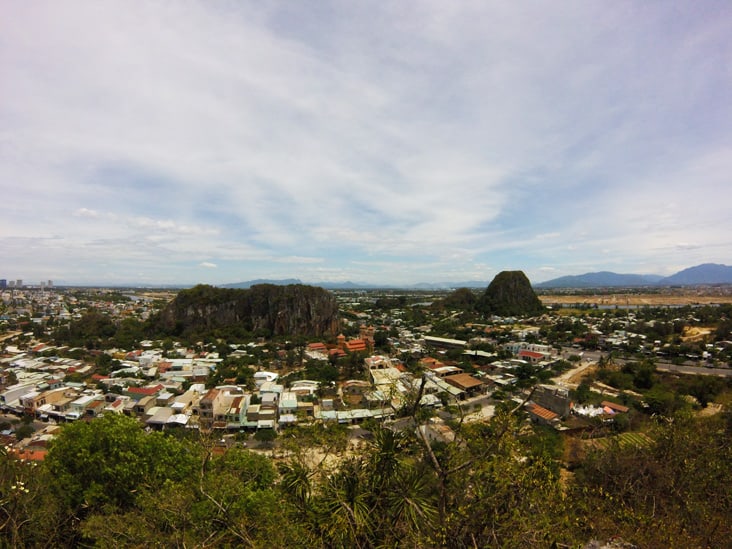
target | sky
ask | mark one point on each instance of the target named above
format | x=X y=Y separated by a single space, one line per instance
x=183 y=142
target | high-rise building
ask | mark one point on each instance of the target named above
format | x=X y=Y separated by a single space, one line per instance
x=11 y=284
x=3 y=283
x=50 y=283
x=19 y=283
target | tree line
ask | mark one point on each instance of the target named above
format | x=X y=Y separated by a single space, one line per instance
x=108 y=483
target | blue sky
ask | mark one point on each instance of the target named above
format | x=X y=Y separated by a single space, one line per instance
x=383 y=142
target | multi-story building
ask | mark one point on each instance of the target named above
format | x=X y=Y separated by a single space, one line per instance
x=213 y=408
x=553 y=398
x=33 y=401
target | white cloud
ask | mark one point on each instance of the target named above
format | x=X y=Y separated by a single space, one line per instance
x=687 y=246
x=207 y=265
x=432 y=141
x=85 y=212
x=299 y=260
x=169 y=226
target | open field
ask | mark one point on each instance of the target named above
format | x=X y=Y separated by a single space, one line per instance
x=638 y=300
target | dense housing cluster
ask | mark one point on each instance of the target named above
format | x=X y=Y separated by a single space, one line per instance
x=455 y=385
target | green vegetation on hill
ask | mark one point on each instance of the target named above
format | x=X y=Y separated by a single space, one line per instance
x=462 y=299
x=265 y=310
x=107 y=483
x=510 y=294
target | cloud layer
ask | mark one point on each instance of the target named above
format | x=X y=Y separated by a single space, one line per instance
x=178 y=142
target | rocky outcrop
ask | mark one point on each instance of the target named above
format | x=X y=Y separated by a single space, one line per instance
x=293 y=310
x=510 y=294
x=462 y=298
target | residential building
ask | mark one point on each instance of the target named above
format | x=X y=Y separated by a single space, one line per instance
x=542 y=415
x=465 y=382
x=553 y=398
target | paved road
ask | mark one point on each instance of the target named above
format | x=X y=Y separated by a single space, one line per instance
x=587 y=359
x=694 y=370
x=590 y=357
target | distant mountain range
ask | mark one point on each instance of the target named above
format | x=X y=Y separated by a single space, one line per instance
x=250 y=283
x=348 y=285
x=707 y=273
x=602 y=279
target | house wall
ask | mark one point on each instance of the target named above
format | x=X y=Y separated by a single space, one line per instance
x=552 y=398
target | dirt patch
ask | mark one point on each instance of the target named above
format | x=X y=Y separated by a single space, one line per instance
x=710 y=410
x=577 y=377
x=565 y=478
x=574 y=377
x=11 y=335
x=694 y=333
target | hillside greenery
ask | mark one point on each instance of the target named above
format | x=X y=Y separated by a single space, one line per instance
x=264 y=310
x=510 y=294
x=108 y=483
x=656 y=477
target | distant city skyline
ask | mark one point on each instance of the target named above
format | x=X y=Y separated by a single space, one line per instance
x=169 y=143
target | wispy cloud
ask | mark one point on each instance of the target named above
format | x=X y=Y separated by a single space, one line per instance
x=303 y=141
x=169 y=226
x=299 y=260
x=86 y=212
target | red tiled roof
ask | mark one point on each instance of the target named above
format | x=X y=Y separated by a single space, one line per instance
x=542 y=412
x=147 y=391
x=211 y=394
x=614 y=406
x=356 y=345
x=531 y=354
x=29 y=454
x=235 y=407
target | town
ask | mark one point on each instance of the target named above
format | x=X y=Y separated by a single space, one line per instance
x=388 y=344
x=295 y=416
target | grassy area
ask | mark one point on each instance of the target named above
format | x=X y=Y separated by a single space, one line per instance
x=624 y=440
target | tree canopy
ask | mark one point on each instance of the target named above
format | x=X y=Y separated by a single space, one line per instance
x=108 y=483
